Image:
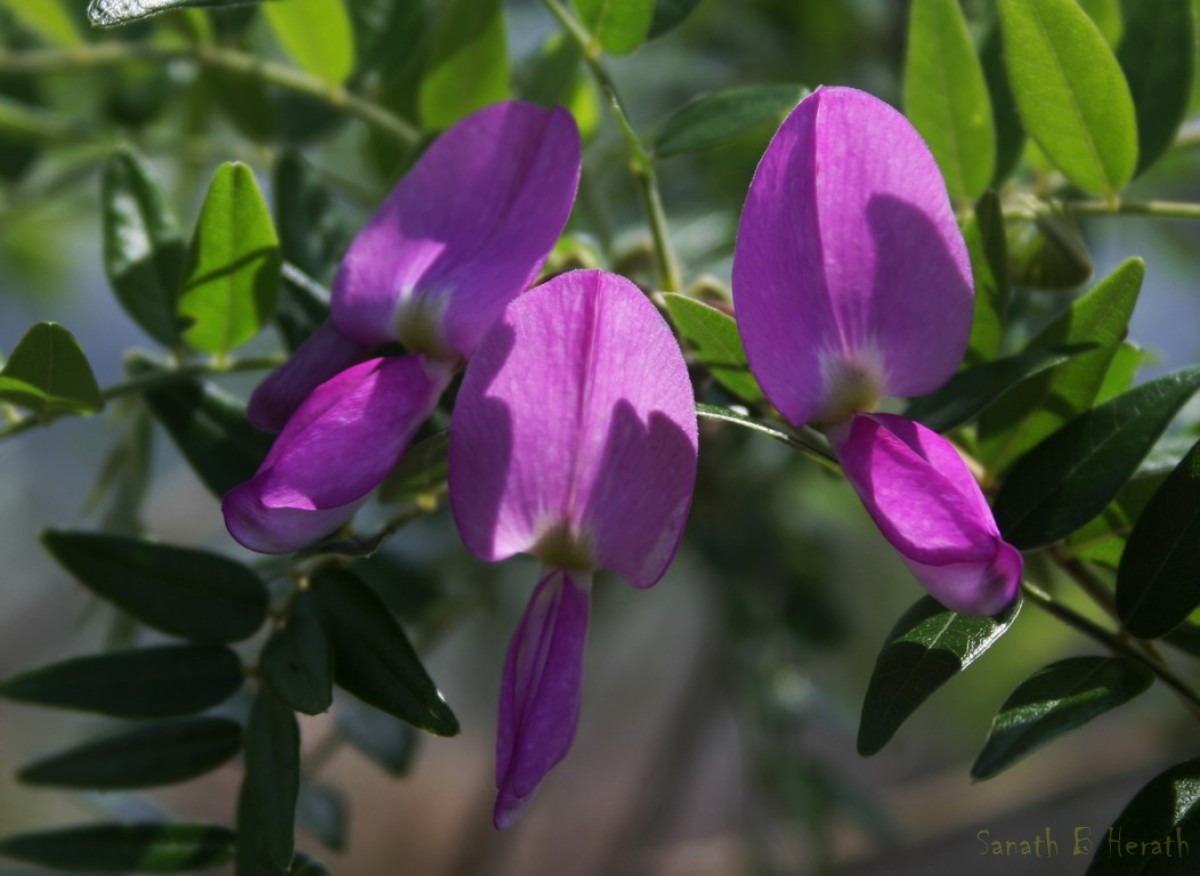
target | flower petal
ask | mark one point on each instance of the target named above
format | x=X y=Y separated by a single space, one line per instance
x=463 y=233
x=849 y=260
x=540 y=692
x=337 y=447
x=324 y=354
x=576 y=414
x=924 y=499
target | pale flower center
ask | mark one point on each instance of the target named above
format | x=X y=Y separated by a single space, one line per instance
x=417 y=324
x=853 y=383
x=559 y=547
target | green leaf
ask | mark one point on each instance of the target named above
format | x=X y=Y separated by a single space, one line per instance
x=1158 y=55
x=246 y=102
x=946 y=97
x=1070 y=477
x=718 y=345
x=1163 y=815
x=927 y=647
x=410 y=590
x=316 y=34
x=620 y=26
x=303 y=307
x=714 y=118
x=1121 y=371
x=194 y=594
x=49 y=374
x=47 y=18
x=297 y=662
x=132 y=848
x=1056 y=700
x=421 y=470
x=1103 y=539
x=1107 y=16
x=1156 y=581
x=162 y=753
x=1048 y=252
x=1010 y=135
x=305 y=864
x=267 y=805
x=232 y=276
x=372 y=657
x=143 y=249
x=386 y=740
x=143 y=683
x=322 y=812
x=311 y=235
x=669 y=14
x=553 y=74
x=1070 y=92
x=968 y=393
x=984 y=235
x=468 y=62
x=388 y=36
x=1041 y=406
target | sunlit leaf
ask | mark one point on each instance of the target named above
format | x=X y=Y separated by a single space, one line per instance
x=468 y=62
x=47 y=18
x=718 y=345
x=49 y=374
x=316 y=34
x=620 y=26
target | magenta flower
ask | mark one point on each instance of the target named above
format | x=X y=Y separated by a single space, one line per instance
x=852 y=282
x=462 y=234
x=573 y=439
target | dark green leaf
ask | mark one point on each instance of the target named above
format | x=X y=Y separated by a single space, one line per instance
x=1056 y=700
x=1164 y=815
x=143 y=249
x=143 y=683
x=1158 y=55
x=468 y=62
x=422 y=469
x=162 y=753
x=984 y=234
x=1010 y=135
x=1103 y=539
x=718 y=345
x=669 y=14
x=553 y=74
x=114 y=13
x=1156 y=582
x=1070 y=92
x=408 y=590
x=311 y=236
x=305 y=864
x=231 y=282
x=372 y=657
x=316 y=34
x=303 y=306
x=1048 y=252
x=946 y=97
x=49 y=374
x=297 y=662
x=927 y=647
x=388 y=35
x=133 y=848
x=386 y=740
x=267 y=805
x=195 y=594
x=1185 y=637
x=245 y=101
x=321 y=811
x=714 y=118
x=1069 y=478
x=620 y=26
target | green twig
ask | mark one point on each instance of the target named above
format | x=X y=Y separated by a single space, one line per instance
x=1116 y=207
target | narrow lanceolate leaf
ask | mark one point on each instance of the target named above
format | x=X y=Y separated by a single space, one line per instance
x=669 y=14
x=620 y=26
x=231 y=283
x=385 y=739
x=267 y=805
x=125 y=848
x=1156 y=581
x=1163 y=815
x=1040 y=406
x=162 y=753
x=113 y=13
x=49 y=374
x=1070 y=91
x=927 y=647
x=946 y=97
x=718 y=345
x=373 y=658
x=143 y=249
x=1056 y=700
x=1103 y=539
x=198 y=595
x=1107 y=16
x=1072 y=476
x=48 y=18
x=1158 y=55
x=143 y=683
x=1010 y=135
x=297 y=661
x=714 y=118
x=468 y=62
x=311 y=236
x=316 y=34
x=984 y=235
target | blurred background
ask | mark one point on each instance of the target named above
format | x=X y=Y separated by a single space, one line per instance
x=721 y=706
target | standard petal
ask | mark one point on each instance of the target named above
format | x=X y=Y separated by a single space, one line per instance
x=540 y=691
x=327 y=352
x=463 y=233
x=850 y=277
x=925 y=501
x=337 y=447
x=574 y=432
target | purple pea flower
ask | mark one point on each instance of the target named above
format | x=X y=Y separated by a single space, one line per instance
x=463 y=233
x=852 y=282
x=573 y=439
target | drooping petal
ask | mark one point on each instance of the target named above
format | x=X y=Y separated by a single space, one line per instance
x=326 y=353
x=924 y=499
x=574 y=432
x=850 y=277
x=540 y=692
x=463 y=233
x=338 y=446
